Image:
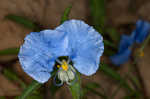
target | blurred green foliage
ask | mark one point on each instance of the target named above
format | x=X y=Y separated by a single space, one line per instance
x=113 y=74
x=98 y=13
x=9 y=51
x=23 y=21
x=29 y=90
x=112 y=33
x=13 y=77
x=92 y=86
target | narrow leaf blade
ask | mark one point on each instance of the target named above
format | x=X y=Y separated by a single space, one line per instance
x=13 y=77
x=98 y=13
x=33 y=86
x=23 y=21
x=66 y=14
x=91 y=87
x=9 y=51
x=113 y=74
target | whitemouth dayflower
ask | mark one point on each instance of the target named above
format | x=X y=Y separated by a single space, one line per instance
x=126 y=43
x=75 y=39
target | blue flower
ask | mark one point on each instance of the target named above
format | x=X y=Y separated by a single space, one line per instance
x=124 y=51
x=141 y=32
x=125 y=48
x=74 y=38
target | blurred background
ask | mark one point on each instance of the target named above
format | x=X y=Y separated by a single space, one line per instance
x=111 y=18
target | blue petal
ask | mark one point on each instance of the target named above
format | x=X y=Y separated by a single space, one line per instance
x=85 y=45
x=124 y=52
x=121 y=58
x=39 y=51
x=142 y=30
x=125 y=43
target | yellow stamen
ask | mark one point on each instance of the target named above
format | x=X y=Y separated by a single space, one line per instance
x=64 y=65
x=141 y=54
x=58 y=66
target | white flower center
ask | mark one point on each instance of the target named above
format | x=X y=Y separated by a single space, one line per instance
x=66 y=73
x=66 y=76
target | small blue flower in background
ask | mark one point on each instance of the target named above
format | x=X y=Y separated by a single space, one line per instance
x=74 y=38
x=125 y=48
x=141 y=32
x=124 y=51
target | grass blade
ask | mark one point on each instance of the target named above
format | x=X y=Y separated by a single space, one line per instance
x=66 y=14
x=113 y=74
x=109 y=44
x=98 y=13
x=91 y=87
x=33 y=86
x=13 y=76
x=23 y=21
x=9 y=51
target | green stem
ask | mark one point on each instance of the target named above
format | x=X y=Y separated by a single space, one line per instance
x=33 y=86
x=145 y=43
x=76 y=88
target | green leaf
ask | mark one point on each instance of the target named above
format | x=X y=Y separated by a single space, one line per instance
x=13 y=76
x=9 y=51
x=91 y=87
x=113 y=74
x=32 y=87
x=66 y=14
x=23 y=21
x=76 y=88
x=98 y=13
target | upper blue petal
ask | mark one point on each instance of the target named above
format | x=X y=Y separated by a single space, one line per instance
x=141 y=32
x=85 y=45
x=38 y=53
